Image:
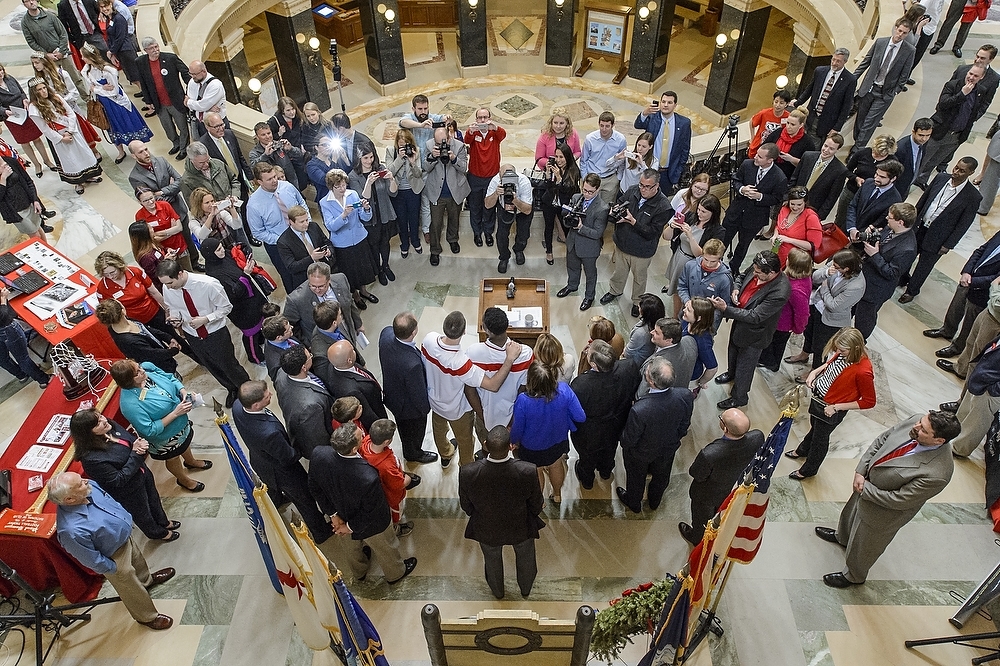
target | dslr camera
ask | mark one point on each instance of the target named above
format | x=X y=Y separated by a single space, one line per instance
x=408 y=150
x=443 y=148
x=870 y=237
x=508 y=181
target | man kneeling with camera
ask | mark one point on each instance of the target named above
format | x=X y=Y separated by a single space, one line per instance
x=510 y=192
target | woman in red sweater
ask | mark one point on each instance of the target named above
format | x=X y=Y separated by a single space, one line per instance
x=798 y=226
x=845 y=382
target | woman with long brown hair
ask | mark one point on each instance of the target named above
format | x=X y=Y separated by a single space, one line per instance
x=148 y=252
x=27 y=135
x=59 y=123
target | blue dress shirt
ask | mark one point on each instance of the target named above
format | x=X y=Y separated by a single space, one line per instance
x=264 y=215
x=597 y=152
x=92 y=532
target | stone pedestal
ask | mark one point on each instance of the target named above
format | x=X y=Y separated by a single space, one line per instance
x=383 y=45
x=807 y=54
x=233 y=70
x=560 y=37
x=650 y=41
x=734 y=63
x=473 y=51
x=303 y=75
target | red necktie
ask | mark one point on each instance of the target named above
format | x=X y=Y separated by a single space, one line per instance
x=367 y=375
x=899 y=452
x=193 y=311
x=82 y=13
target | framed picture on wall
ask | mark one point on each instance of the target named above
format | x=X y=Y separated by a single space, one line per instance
x=270 y=89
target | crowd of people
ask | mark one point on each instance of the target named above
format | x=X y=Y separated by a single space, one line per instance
x=195 y=230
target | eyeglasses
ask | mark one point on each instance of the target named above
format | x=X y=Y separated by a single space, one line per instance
x=643 y=186
x=215 y=126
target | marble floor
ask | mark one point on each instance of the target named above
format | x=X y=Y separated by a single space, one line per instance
x=776 y=611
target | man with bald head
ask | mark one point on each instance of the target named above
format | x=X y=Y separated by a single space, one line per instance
x=345 y=377
x=204 y=93
x=717 y=468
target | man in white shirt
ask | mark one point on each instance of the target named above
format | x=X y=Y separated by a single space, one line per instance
x=510 y=193
x=497 y=407
x=452 y=379
x=198 y=305
x=204 y=93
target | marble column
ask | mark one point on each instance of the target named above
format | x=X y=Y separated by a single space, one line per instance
x=650 y=40
x=734 y=62
x=808 y=53
x=303 y=74
x=473 y=51
x=383 y=45
x=560 y=37
x=233 y=70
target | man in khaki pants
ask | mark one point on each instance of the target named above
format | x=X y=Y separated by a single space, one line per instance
x=97 y=531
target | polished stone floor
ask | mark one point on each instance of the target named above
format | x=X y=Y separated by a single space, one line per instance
x=775 y=611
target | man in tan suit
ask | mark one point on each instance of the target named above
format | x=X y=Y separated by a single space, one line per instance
x=903 y=468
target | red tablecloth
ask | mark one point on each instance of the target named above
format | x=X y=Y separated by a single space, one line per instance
x=42 y=562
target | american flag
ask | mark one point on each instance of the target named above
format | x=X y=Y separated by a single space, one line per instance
x=751 y=529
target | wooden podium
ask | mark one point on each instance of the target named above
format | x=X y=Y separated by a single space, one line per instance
x=530 y=292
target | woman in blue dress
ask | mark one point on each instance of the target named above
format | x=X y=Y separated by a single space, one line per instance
x=127 y=124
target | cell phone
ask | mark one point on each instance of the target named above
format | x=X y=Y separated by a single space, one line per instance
x=382 y=173
x=357 y=205
x=224 y=204
x=655 y=103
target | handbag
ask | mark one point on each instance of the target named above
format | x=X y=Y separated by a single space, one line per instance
x=96 y=115
x=834 y=240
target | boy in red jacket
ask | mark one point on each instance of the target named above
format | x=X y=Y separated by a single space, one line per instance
x=375 y=449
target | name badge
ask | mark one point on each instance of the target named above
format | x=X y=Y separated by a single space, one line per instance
x=142 y=393
x=118 y=294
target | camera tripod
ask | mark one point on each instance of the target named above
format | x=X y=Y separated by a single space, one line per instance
x=338 y=73
x=731 y=132
x=46 y=611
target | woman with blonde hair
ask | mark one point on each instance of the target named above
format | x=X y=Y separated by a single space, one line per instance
x=208 y=220
x=314 y=127
x=557 y=130
x=61 y=125
x=549 y=352
x=27 y=135
x=402 y=159
x=345 y=215
x=843 y=383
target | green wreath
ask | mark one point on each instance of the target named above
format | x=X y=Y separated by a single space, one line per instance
x=635 y=612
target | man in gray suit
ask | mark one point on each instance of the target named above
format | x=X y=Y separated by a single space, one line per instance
x=304 y=401
x=886 y=67
x=680 y=351
x=444 y=161
x=902 y=469
x=321 y=286
x=584 y=241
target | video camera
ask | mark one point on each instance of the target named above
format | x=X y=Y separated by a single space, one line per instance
x=508 y=181
x=572 y=215
x=618 y=212
x=733 y=127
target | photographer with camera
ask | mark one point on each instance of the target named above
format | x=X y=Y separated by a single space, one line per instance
x=445 y=162
x=278 y=152
x=483 y=142
x=639 y=217
x=561 y=183
x=422 y=124
x=585 y=223
x=888 y=252
x=510 y=192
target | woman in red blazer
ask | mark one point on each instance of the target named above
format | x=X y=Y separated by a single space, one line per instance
x=844 y=382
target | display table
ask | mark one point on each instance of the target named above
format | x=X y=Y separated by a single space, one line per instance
x=42 y=561
x=89 y=335
x=529 y=293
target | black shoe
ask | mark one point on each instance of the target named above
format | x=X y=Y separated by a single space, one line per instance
x=198 y=266
x=435 y=259
x=230 y=400
x=489 y=240
x=502 y=266
x=478 y=240
x=586 y=304
x=947 y=366
x=827 y=534
x=687 y=532
x=564 y=292
x=579 y=477
x=414 y=481
x=424 y=458
x=360 y=302
x=957 y=52
x=608 y=297
x=173 y=151
x=409 y=565
x=936 y=333
x=635 y=311
x=837 y=580
x=389 y=274
x=519 y=258
x=181 y=154
x=905 y=297
x=48 y=214
x=383 y=280
x=46 y=228
x=605 y=477
x=948 y=352
x=254 y=242
x=621 y=496
x=949 y=407
x=911 y=82
x=728 y=403
x=724 y=378
x=455 y=248
x=903 y=89
x=934 y=49
x=371 y=298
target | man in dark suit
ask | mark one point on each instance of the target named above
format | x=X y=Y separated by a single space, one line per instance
x=717 y=468
x=671 y=135
x=757 y=302
x=945 y=211
x=278 y=337
x=405 y=380
x=910 y=153
x=822 y=174
x=330 y=328
x=605 y=393
x=585 y=239
x=304 y=401
x=502 y=498
x=830 y=96
x=274 y=458
x=163 y=78
x=971 y=297
x=885 y=261
x=956 y=9
x=80 y=19
x=321 y=285
x=961 y=104
x=891 y=483
x=886 y=67
x=980 y=400
x=759 y=185
x=346 y=377
x=653 y=431
x=873 y=199
x=991 y=79
x=292 y=245
x=349 y=491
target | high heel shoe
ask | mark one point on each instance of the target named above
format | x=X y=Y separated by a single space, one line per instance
x=548 y=258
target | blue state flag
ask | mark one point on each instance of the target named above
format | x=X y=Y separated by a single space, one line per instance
x=361 y=639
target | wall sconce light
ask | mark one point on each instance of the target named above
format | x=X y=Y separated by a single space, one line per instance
x=559 y=8
x=781 y=82
x=472 y=9
x=721 y=55
x=389 y=16
x=254 y=86
x=644 y=13
x=315 y=58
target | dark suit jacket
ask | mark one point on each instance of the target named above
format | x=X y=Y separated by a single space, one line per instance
x=118 y=469
x=404 y=377
x=751 y=214
x=952 y=222
x=272 y=358
x=342 y=383
x=119 y=40
x=988 y=83
x=950 y=103
x=306 y=408
x=753 y=326
x=899 y=70
x=680 y=142
x=163 y=178
x=657 y=423
x=350 y=488
x=982 y=272
x=271 y=452
x=826 y=190
x=904 y=155
x=864 y=212
x=299 y=308
x=294 y=254
x=838 y=102
x=234 y=148
x=319 y=345
x=502 y=500
x=606 y=398
x=65 y=13
x=882 y=270
x=140 y=349
x=175 y=80
x=589 y=239
x=718 y=466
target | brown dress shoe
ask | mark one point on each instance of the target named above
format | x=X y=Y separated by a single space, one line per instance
x=162 y=576
x=160 y=623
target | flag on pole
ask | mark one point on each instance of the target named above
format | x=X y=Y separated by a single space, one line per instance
x=672 y=629
x=361 y=639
